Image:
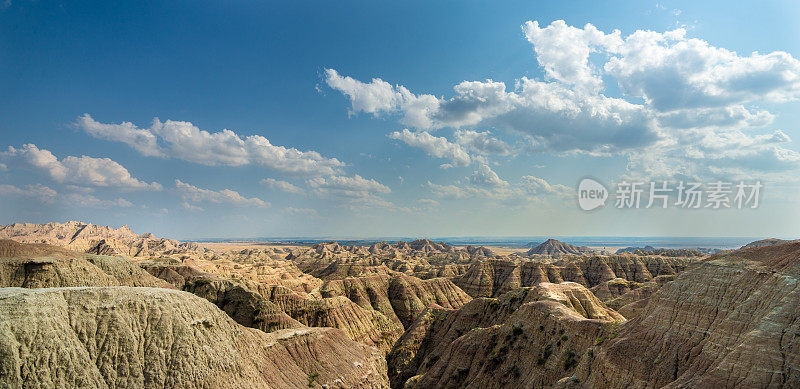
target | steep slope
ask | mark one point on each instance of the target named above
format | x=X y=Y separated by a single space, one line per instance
x=85 y=237
x=421 y=258
x=665 y=252
x=367 y=326
x=764 y=242
x=553 y=247
x=257 y=265
x=270 y=307
x=731 y=321
x=155 y=338
x=327 y=269
x=45 y=266
x=530 y=337
x=242 y=303
x=495 y=277
x=399 y=297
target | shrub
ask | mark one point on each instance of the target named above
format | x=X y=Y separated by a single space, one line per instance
x=569 y=360
x=544 y=354
x=312 y=378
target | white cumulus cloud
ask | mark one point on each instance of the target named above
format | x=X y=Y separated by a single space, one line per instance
x=484 y=183
x=675 y=91
x=355 y=186
x=184 y=140
x=140 y=139
x=434 y=146
x=83 y=170
x=482 y=142
x=487 y=178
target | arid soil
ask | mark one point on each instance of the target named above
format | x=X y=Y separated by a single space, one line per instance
x=91 y=306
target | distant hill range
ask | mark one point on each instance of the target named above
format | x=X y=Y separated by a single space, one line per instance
x=685 y=252
x=555 y=247
x=766 y=242
x=94 y=239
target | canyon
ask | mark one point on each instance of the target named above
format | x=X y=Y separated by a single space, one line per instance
x=93 y=306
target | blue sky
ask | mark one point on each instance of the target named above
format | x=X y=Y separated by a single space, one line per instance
x=354 y=118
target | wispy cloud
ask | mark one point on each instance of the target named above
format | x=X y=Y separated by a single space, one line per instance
x=193 y=195
x=282 y=186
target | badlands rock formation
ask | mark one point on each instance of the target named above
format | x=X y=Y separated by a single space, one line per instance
x=422 y=258
x=124 y=327
x=85 y=237
x=45 y=266
x=399 y=297
x=421 y=248
x=732 y=321
x=553 y=247
x=257 y=265
x=367 y=326
x=154 y=338
x=650 y=250
x=238 y=298
x=261 y=289
x=271 y=307
x=530 y=337
x=160 y=313
x=495 y=277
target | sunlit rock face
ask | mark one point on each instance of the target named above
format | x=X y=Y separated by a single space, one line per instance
x=731 y=321
x=530 y=337
x=152 y=338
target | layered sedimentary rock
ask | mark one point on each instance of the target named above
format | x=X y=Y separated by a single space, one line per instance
x=237 y=298
x=445 y=270
x=422 y=258
x=242 y=303
x=268 y=265
x=553 y=247
x=50 y=267
x=367 y=326
x=398 y=297
x=154 y=338
x=45 y=266
x=530 y=337
x=271 y=307
x=95 y=239
x=421 y=248
x=495 y=277
x=664 y=252
x=371 y=309
x=257 y=265
x=628 y=297
x=731 y=321
x=261 y=271
x=338 y=269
